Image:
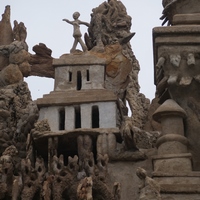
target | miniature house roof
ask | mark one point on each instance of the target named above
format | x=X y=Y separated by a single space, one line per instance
x=169 y=107
x=79 y=59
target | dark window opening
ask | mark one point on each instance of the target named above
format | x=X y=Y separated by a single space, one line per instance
x=70 y=76
x=95 y=117
x=62 y=119
x=88 y=75
x=79 y=80
x=67 y=150
x=77 y=117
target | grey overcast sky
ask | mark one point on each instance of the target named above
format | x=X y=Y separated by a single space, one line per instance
x=43 y=20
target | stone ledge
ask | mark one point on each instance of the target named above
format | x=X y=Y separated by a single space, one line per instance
x=171 y=138
x=186 y=19
x=181 y=188
x=179 y=184
x=68 y=139
x=75 y=132
x=175 y=36
x=169 y=156
x=65 y=98
x=176 y=174
x=79 y=59
x=176 y=30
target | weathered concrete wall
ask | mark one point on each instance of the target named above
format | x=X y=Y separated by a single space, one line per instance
x=91 y=77
x=107 y=115
x=125 y=174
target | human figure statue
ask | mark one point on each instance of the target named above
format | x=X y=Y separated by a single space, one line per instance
x=77 y=33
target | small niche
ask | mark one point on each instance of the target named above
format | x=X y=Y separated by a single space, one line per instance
x=70 y=76
x=88 y=75
x=95 y=117
x=62 y=119
x=77 y=117
x=79 y=81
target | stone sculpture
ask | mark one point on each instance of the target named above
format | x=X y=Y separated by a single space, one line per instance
x=109 y=24
x=167 y=15
x=77 y=33
x=6 y=35
x=19 y=31
x=41 y=61
x=65 y=155
x=10 y=183
x=176 y=77
x=149 y=188
x=32 y=177
x=15 y=52
x=19 y=66
x=47 y=168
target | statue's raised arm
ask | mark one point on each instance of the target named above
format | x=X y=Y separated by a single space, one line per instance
x=84 y=23
x=66 y=20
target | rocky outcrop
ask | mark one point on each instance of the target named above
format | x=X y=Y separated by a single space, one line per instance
x=110 y=24
x=18 y=114
x=6 y=36
x=14 y=50
x=41 y=61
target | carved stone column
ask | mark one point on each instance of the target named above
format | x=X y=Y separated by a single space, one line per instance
x=173 y=155
x=173 y=164
x=177 y=77
x=177 y=72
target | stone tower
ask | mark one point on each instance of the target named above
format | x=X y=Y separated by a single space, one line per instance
x=79 y=104
x=176 y=56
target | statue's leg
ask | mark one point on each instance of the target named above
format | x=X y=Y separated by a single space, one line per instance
x=82 y=44
x=74 y=45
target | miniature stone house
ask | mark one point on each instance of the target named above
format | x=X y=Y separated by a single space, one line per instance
x=79 y=99
x=79 y=103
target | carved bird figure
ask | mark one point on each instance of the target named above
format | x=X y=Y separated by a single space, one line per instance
x=167 y=15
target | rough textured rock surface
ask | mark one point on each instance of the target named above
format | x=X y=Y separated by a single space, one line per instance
x=177 y=81
x=177 y=78
x=174 y=7
x=41 y=62
x=13 y=49
x=122 y=78
x=6 y=35
x=151 y=124
x=18 y=67
x=111 y=24
x=18 y=114
x=149 y=188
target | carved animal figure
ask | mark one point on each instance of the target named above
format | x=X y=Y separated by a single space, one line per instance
x=167 y=16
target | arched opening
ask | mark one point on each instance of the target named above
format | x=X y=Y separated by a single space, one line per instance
x=70 y=77
x=62 y=119
x=77 y=117
x=95 y=117
x=88 y=75
x=79 y=81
